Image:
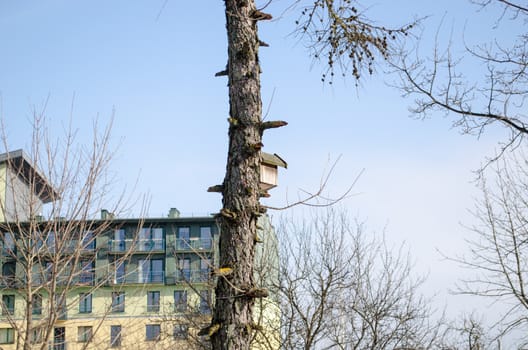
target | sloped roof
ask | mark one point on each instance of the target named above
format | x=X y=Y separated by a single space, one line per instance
x=273 y=159
x=21 y=164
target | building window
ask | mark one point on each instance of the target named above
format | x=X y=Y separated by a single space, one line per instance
x=181 y=331
x=115 y=336
x=37 y=304
x=205 y=268
x=7 y=335
x=180 y=300
x=118 y=301
x=9 y=273
x=205 y=302
x=150 y=271
x=153 y=332
x=8 y=248
x=205 y=236
x=50 y=242
x=59 y=338
x=85 y=303
x=120 y=272
x=84 y=334
x=119 y=243
x=88 y=241
x=87 y=275
x=153 y=301
x=184 y=270
x=151 y=239
x=8 y=304
x=183 y=237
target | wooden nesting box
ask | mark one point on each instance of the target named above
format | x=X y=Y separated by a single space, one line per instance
x=269 y=170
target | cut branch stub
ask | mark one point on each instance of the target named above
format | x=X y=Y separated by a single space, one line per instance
x=216 y=188
x=209 y=330
x=264 y=194
x=261 y=16
x=228 y=214
x=257 y=239
x=225 y=72
x=232 y=121
x=257 y=293
x=223 y=271
x=273 y=124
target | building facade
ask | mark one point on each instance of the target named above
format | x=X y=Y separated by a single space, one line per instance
x=136 y=283
x=139 y=283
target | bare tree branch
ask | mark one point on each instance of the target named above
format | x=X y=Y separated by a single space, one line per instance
x=438 y=82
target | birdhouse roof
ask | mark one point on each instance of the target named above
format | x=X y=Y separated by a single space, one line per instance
x=273 y=159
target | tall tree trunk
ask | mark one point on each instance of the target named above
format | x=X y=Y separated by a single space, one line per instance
x=237 y=220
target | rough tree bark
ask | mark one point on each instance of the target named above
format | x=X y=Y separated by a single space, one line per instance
x=231 y=327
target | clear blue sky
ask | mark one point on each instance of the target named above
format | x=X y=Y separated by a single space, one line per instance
x=157 y=73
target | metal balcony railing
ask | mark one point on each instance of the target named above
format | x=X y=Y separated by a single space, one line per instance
x=193 y=244
x=138 y=245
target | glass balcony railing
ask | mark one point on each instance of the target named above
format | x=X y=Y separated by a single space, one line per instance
x=138 y=245
x=138 y=278
x=85 y=278
x=64 y=248
x=192 y=276
x=194 y=244
x=74 y=246
x=82 y=279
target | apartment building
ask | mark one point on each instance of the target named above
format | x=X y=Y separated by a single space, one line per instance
x=133 y=283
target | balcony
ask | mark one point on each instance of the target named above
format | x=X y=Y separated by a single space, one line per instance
x=74 y=246
x=136 y=245
x=192 y=276
x=64 y=248
x=135 y=277
x=193 y=244
x=82 y=279
x=8 y=281
x=85 y=279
